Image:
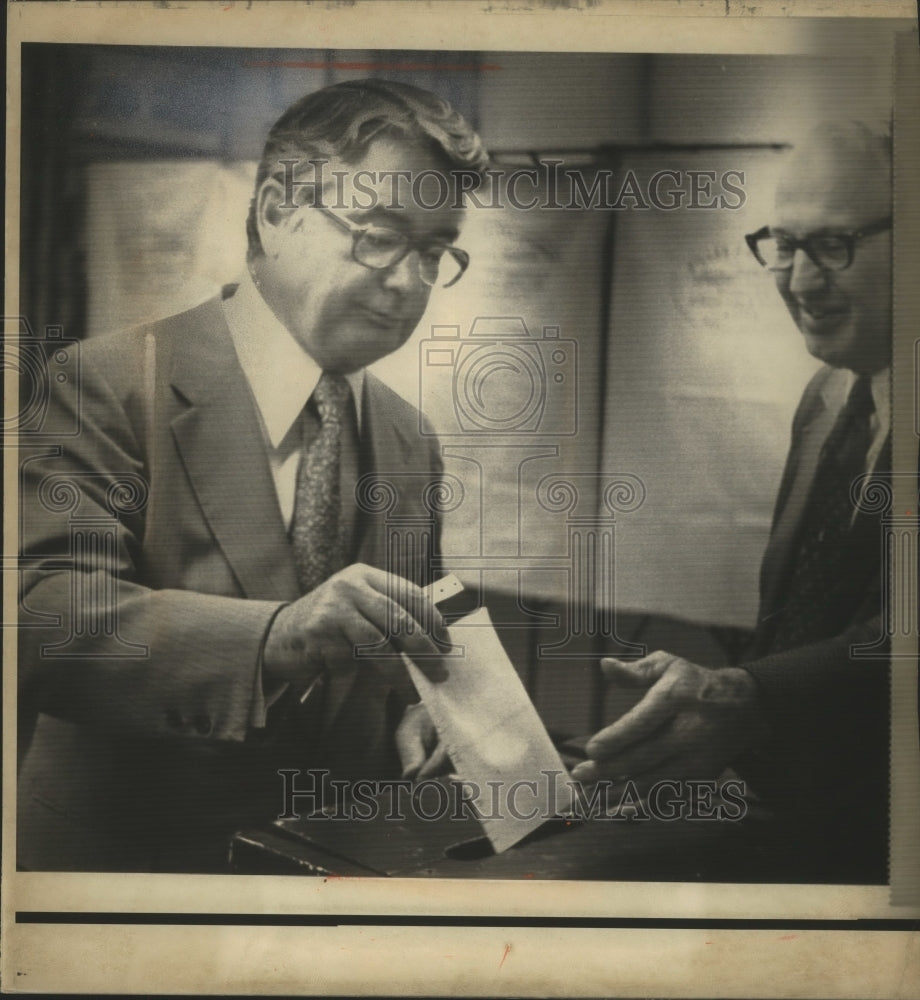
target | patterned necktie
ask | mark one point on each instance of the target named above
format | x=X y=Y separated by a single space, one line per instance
x=316 y=534
x=823 y=560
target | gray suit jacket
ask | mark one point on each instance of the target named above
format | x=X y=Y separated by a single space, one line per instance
x=162 y=511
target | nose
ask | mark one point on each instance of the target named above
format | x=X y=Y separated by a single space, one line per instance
x=805 y=275
x=403 y=276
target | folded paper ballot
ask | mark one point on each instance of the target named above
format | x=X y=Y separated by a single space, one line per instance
x=513 y=776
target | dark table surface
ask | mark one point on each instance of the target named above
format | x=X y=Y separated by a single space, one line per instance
x=757 y=848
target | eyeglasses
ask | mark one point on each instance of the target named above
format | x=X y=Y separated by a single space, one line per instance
x=830 y=251
x=375 y=247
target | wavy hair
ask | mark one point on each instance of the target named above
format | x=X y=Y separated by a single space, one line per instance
x=344 y=119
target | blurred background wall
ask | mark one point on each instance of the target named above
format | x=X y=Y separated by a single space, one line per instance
x=677 y=363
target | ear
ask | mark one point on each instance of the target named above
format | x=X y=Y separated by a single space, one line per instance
x=272 y=215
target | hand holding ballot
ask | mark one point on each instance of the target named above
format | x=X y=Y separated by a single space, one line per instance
x=691 y=723
x=356 y=607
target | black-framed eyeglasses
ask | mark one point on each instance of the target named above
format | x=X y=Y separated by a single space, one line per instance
x=439 y=264
x=831 y=251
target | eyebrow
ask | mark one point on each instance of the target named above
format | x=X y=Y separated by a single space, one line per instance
x=392 y=219
x=822 y=231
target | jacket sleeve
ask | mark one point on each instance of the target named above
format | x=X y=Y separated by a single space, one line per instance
x=96 y=645
x=826 y=703
x=798 y=684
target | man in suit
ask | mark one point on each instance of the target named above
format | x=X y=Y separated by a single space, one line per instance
x=217 y=595
x=803 y=721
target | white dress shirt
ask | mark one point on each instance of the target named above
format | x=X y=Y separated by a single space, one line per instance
x=835 y=392
x=281 y=377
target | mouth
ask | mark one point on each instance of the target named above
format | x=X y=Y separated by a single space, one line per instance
x=384 y=320
x=820 y=319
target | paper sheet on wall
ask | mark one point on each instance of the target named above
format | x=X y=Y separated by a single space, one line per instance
x=495 y=738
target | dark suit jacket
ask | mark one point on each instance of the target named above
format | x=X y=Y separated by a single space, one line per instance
x=826 y=763
x=143 y=757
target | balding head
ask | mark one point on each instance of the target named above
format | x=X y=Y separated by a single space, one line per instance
x=843 y=166
x=838 y=181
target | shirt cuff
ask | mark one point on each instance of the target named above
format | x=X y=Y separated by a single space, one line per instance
x=263 y=700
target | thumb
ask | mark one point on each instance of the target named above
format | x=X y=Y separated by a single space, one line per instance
x=410 y=743
x=438 y=763
x=636 y=673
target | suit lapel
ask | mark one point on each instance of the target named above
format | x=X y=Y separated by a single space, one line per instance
x=867 y=536
x=220 y=441
x=387 y=452
x=803 y=462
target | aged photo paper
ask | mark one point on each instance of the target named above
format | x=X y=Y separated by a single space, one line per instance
x=687 y=318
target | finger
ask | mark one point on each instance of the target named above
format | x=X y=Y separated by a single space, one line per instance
x=631 y=763
x=416 y=600
x=641 y=722
x=636 y=673
x=687 y=747
x=590 y=771
x=369 y=649
x=386 y=623
x=437 y=763
x=630 y=790
x=404 y=632
x=606 y=798
x=409 y=744
x=412 y=761
x=644 y=757
x=363 y=637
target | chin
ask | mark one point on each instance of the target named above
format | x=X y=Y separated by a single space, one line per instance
x=835 y=350
x=351 y=362
x=824 y=353
x=348 y=353
x=844 y=356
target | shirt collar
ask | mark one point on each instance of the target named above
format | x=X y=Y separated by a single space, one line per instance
x=837 y=388
x=280 y=373
x=881 y=396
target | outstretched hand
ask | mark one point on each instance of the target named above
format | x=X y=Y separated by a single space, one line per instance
x=691 y=723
